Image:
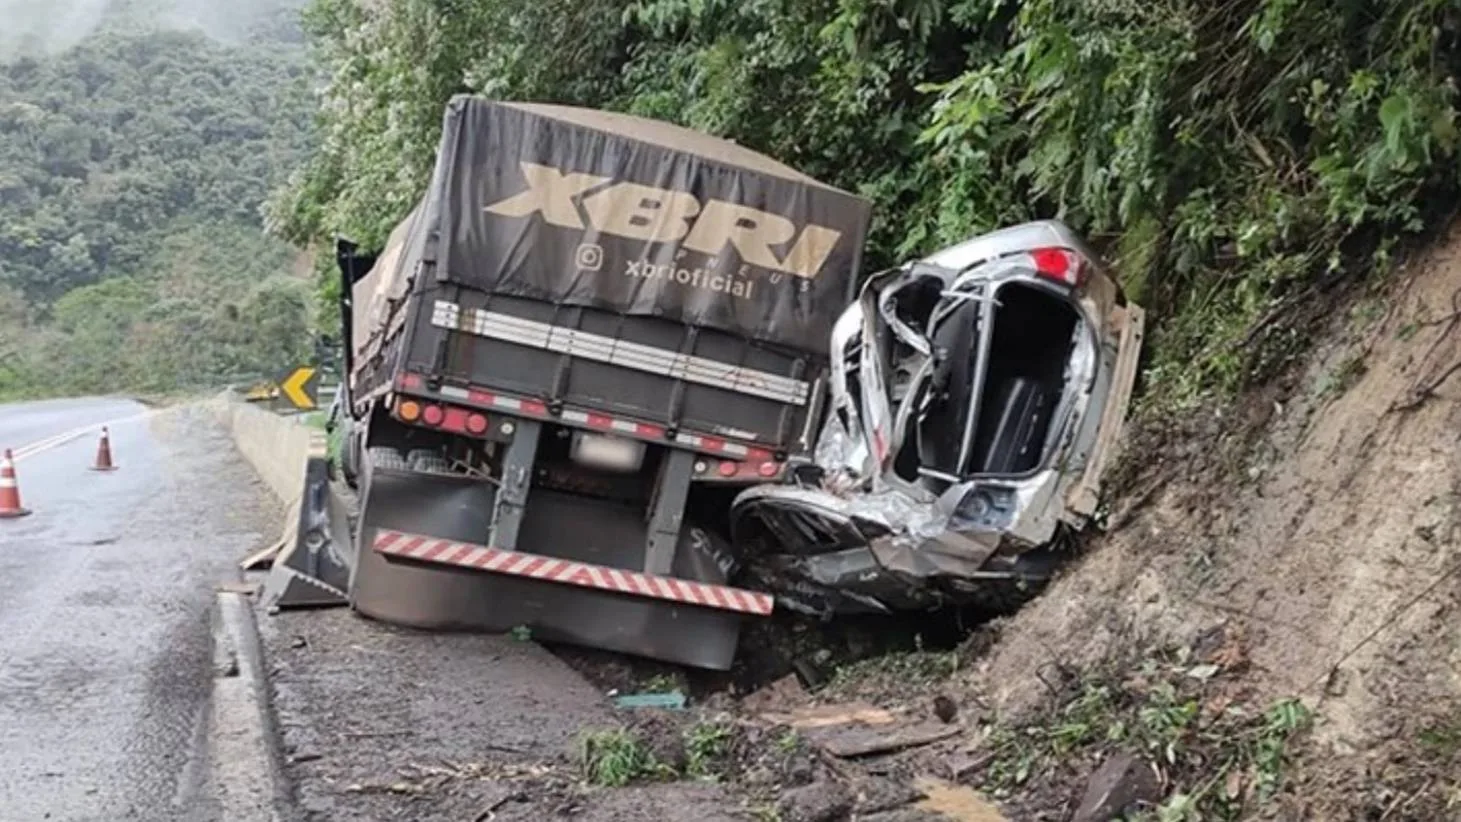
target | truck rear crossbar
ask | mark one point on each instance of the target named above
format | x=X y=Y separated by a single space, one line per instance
x=597 y=347
x=569 y=572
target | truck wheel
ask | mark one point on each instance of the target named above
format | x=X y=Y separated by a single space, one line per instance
x=388 y=458
x=350 y=457
x=427 y=461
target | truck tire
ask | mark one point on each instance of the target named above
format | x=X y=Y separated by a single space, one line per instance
x=350 y=457
x=388 y=458
x=427 y=461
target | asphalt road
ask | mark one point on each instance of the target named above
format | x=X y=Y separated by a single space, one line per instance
x=105 y=593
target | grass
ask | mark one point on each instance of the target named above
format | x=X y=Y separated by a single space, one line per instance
x=613 y=759
x=662 y=684
x=706 y=746
x=907 y=666
x=1221 y=757
x=1443 y=739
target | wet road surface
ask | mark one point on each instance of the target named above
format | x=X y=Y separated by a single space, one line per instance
x=105 y=592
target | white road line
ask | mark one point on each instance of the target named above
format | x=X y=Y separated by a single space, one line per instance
x=56 y=440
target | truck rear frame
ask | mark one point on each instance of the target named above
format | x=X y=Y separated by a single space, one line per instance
x=533 y=461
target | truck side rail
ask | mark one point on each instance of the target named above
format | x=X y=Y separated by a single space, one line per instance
x=600 y=348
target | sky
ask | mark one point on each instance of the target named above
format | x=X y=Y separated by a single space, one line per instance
x=34 y=27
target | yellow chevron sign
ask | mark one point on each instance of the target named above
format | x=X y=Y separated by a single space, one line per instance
x=301 y=388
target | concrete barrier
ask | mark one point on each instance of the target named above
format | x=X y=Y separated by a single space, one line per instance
x=276 y=446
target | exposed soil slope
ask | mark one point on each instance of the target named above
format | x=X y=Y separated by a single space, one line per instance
x=1315 y=529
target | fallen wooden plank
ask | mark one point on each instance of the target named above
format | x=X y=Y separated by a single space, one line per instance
x=263 y=558
x=852 y=741
x=822 y=716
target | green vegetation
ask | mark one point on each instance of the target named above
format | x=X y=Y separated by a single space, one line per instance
x=613 y=759
x=663 y=684
x=1236 y=158
x=132 y=170
x=707 y=744
x=1220 y=758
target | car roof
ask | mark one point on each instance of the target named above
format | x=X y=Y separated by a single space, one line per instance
x=1012 y=240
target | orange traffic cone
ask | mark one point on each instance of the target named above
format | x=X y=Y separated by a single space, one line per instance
x=10 y=507
x=104 y=454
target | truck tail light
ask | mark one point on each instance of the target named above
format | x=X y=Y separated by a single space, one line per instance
x=1060 y=265
x=408 y=410
x=433 y=415
x=768 y=469
x=476 y=424
x=728 y=469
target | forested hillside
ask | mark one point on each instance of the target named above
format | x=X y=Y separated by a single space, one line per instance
x=1234 y=157
x=132 y=169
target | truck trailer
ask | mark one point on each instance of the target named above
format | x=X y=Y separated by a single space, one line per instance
x=591 y=331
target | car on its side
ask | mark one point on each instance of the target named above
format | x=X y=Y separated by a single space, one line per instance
x=976 y=397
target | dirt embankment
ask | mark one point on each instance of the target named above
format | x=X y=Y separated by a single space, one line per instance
x=1303 y=546
x=1267 y=630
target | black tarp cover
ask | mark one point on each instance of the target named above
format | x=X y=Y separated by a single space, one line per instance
x=590 y=208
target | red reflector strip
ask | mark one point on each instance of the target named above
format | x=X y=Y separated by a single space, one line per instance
x=568 y=572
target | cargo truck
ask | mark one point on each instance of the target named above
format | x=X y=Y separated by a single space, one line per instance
x=590 y=332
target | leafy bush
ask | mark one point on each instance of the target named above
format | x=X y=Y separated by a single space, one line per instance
x=132 y=170
x=1233 y=157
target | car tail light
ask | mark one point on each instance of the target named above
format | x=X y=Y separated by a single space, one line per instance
x=433 y=415
x=1059 y=264
x=476 y=424
x=409 y=410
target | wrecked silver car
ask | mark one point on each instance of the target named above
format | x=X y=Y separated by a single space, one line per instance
x=976 y=396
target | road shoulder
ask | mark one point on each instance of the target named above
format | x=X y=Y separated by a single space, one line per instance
x=245 y=767
x=385 y=723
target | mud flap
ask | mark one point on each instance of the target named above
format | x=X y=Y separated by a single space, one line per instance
x=313 y=569
x=423 y=595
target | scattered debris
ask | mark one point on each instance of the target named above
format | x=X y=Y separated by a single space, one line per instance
x=880 y=794
x=670 y=701
x=1121 y=785
x=852 y=742
x=855 y=729
x=782 y=694
x=956 y=802
x=822 y=801
x=821 y=716
x=945 y=708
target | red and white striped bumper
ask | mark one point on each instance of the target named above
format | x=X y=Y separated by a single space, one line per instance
x=568 y=572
